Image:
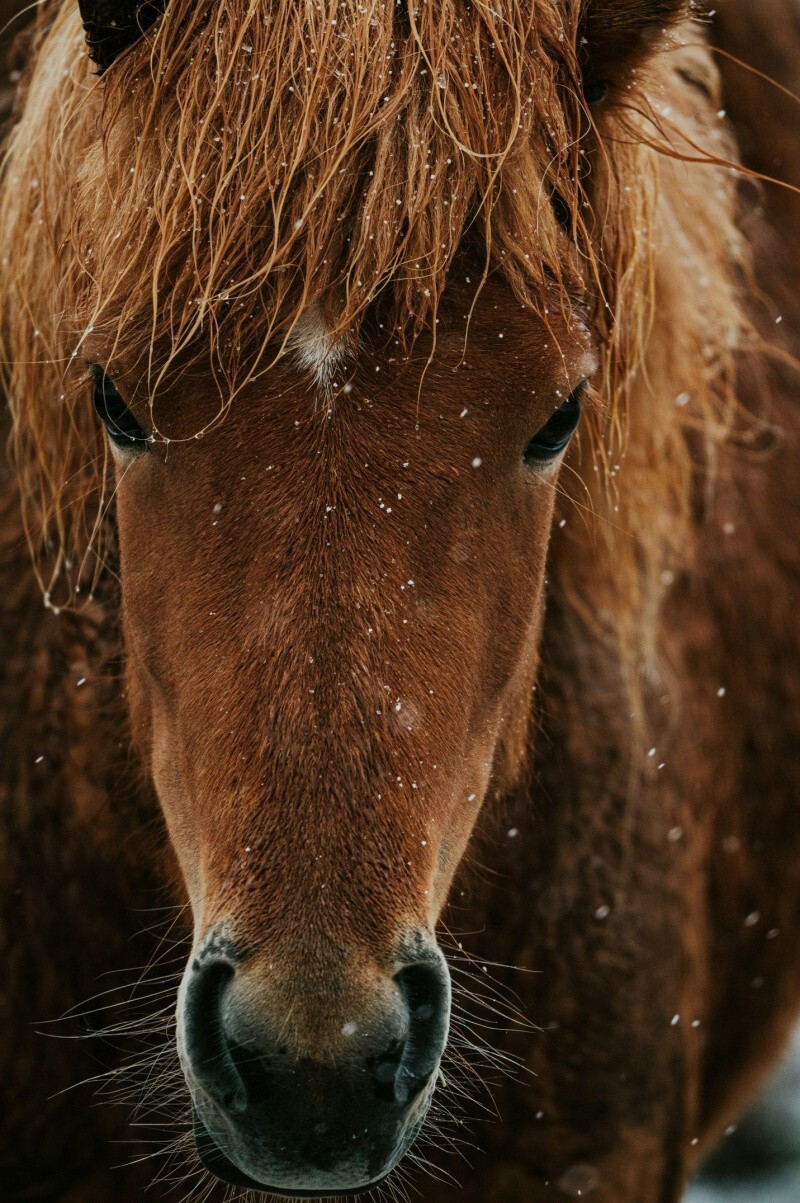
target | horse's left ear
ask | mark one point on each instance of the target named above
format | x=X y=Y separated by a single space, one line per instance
x=618 y=34
x=112 y=26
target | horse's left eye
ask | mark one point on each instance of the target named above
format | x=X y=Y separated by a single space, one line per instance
x=122 y=427
x=555 y=434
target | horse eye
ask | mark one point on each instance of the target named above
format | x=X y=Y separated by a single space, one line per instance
x=551 y=440
x=122 y=427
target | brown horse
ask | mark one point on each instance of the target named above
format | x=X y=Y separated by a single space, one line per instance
x=423 y=374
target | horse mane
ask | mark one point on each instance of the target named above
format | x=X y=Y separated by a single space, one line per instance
x=245 y=161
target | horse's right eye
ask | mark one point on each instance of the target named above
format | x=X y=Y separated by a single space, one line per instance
x=122 y=427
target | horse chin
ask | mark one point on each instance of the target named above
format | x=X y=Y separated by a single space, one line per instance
x=219 y=1163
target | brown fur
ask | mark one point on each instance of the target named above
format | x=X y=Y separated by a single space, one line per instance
x=270 y=643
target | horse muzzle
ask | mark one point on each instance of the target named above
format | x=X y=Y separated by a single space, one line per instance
x=270 y=1118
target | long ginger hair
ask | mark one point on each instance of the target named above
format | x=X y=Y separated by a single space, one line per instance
x=245 y=161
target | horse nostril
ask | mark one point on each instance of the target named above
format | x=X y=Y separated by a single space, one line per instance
x=426 y=989
x=206 y=1047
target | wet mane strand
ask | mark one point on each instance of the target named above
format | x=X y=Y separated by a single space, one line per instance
x=249 y=159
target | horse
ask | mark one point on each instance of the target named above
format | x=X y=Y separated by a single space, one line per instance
x=400 y=549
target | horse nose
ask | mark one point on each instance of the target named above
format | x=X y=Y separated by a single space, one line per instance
x=267 y=1115
x=233 y=1071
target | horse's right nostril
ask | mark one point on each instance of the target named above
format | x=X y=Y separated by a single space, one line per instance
x=426 y=990
x=206 y=1047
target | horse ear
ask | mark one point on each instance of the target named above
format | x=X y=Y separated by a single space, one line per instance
x=618 y=34
x=113 y=25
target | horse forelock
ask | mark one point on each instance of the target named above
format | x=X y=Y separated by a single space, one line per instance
x=246 y=169
x=255 y=159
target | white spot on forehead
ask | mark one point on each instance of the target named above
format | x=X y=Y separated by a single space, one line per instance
x=316 y=349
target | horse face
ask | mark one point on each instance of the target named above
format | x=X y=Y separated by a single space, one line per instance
x=331 y=605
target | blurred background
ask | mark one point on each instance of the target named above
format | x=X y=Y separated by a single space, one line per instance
x=759 y=1162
